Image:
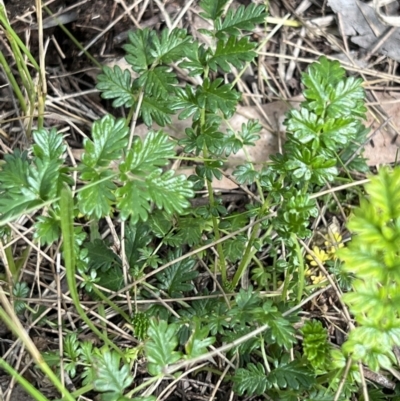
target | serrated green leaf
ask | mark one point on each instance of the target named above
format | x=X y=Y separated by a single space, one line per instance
x=319 y=86
x=331 y=70
x=234 y=248
x=133 y=201
x=247 y=302
x=47 y=228
x=177 y=278
x=100 y=256
x=110 y=137
x=145 y=156
x=137 y=237
x=24 y=184
x=20 y=290
x=160 y=223
x=86 y=351
x=347 y=99
x=116 y=84
x=160 y=346
x=16 y=204
x=139 y=49
x=233 y=51
x=250 y=132
x=210 y=170
x=48 y=145
x=97 y=198
x=338 y=132
x=44 y=179
x=243 y=18
x=187 y=99
x=304 y=125
x=245 y=174
x=190 y=230
x=315 y=344
x=196 y=58
x=169 y=192
x=112 y=279
x=251 y=381
x=292 y=375
x=384 y=193
x=212 y=8
x=157 y=110
x=305 y=165
x=172 y=45
x=108 y=375
x=158 y=82
x=217 y=95
x=281 y=332
x=198 y=341
x=14 y=171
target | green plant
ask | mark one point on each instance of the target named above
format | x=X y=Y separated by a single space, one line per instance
x=373 y=258
x=163 y=241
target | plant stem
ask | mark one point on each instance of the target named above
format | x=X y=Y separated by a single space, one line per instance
x=249 y=252
x=220 y=249
x=67 y=229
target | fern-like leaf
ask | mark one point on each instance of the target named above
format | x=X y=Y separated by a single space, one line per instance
x=116 y=84
x=251 y=381
x=109 y=377
x=213 y=9
x=243 y=18
x=158 y=82
x=177 y=279
x=109 y=138
x=139 y=54
x=160 y=346
x=233 y=51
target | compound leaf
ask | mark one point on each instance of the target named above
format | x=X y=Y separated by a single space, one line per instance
x=213 y=9
x=293 y=376
x=233 y=51
x=169 y=192
x=116 y=84
x=133 y=200
x=48 y=145
x=177 y=278
x=139 y=49
x=219 y=96
x=245 y=173
x=100 y=256
x=251 y=381
x=172 y=46
x=281 y=332
x=110 y=137
x=198 y=341
x=108 y=376
x=97 y=197
x=156 y=109
x=160 y=347
x=158 y=82
x=243 y=18
x=47 y=228
x=347 y=99
x=148 y=155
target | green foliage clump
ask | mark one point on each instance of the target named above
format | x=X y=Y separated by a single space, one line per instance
x=373 y=258
x=128 y=179
x=315 y=345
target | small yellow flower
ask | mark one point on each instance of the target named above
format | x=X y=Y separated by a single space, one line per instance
x=334 y=241
x=318 y=278
x=320 y=255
